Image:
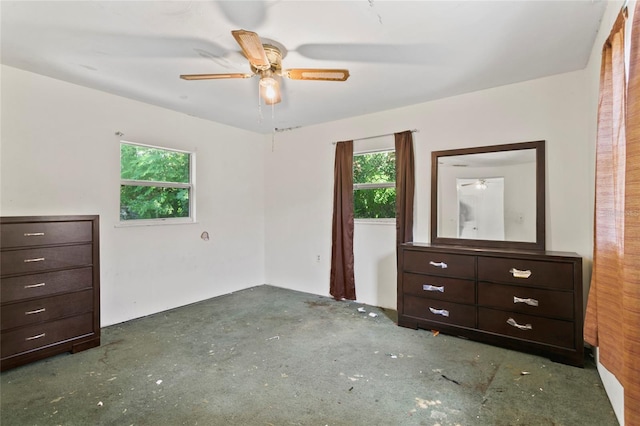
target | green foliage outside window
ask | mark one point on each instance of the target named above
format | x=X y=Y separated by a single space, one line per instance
x=156 y=183
x=377 y=198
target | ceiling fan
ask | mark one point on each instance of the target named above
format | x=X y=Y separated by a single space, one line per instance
x=478 y=184
x=266 y=62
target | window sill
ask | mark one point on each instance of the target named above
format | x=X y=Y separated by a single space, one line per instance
x=374 y=222
x=154 y=222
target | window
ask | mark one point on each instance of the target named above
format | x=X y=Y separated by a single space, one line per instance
x=156 y=184
x=374 y=186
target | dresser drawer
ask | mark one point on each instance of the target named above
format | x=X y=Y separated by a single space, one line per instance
x=441 y=288
x=13 y=235
x=537 y=329
x=46 y=309
x=39 y=335
x=45 y=284
x=526 y=272
x=440 y=311
x=443 y=264
x=42 y=259
x=535 y=301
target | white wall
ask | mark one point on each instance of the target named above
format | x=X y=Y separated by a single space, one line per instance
x=60 y=156
x=299 y=178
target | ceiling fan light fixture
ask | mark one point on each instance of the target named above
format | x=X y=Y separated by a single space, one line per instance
x=269 y=90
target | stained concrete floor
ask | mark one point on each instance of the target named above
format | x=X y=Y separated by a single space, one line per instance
x=269 y=356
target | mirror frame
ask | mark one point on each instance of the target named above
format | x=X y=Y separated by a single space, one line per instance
x=539 y=244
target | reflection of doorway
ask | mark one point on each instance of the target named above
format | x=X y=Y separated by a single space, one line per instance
x=481 y=208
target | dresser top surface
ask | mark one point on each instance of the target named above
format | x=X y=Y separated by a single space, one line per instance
x=490 y=252
x=34 y=219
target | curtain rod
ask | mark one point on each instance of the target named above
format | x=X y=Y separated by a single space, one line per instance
x=377 y=136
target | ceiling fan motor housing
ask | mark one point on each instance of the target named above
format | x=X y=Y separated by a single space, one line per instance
x=275 y=60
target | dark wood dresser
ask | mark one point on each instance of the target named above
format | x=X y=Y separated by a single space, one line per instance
x=50 y=283
x=524 y=300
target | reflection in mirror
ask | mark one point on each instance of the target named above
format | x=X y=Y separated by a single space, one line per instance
x=489 y=196
x=480 y=204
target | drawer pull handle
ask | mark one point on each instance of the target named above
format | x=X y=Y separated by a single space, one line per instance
x=37 y=336
x=530 y=302
x=34 y=285
x=37 y=311
x=36 y=259
x=438 y=264
x=513 y=323
x=520 y=274
x=442 y=312
x=429 y=287
x=34 y=234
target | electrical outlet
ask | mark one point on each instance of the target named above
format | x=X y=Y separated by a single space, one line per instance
x=318 y=258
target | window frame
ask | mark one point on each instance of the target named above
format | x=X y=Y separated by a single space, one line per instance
x=191 y=186
x=356 y=186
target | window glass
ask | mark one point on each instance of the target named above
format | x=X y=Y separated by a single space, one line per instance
x=155 y=183
x=374 y=192
x=153 y=164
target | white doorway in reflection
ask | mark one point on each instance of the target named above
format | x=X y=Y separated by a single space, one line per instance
x=481 y=208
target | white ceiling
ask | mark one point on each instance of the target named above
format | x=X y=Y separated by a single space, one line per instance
x=398 y=52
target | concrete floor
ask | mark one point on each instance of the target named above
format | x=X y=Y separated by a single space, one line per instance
x=269 y=356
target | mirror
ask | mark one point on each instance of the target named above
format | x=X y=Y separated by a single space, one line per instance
x=489 y=197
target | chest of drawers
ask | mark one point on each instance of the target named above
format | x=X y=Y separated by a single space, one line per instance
x=528 y=301
x=50 y=287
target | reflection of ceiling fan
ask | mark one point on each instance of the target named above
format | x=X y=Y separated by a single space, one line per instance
x=266 y=62
x=478 y=183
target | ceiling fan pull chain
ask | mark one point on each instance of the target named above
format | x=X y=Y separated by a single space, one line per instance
x=260 y=117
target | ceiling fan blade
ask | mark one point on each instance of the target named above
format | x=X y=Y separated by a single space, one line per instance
x=252 y=48
x=214 y=76
x=316 y=74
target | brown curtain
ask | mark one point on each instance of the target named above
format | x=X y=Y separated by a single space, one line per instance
x=612 y=320
x=342 y=282
x=631 y=282
x=605 y=301
x=405 y=183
